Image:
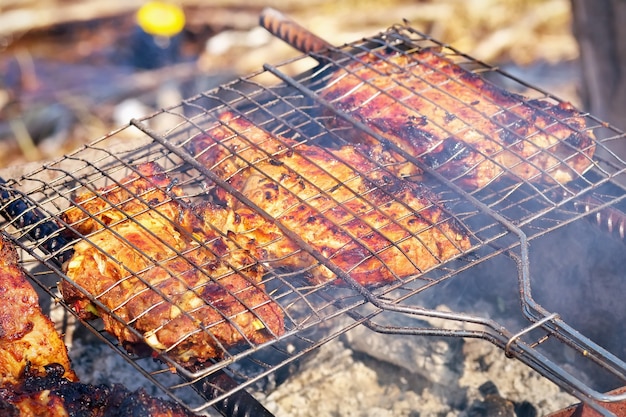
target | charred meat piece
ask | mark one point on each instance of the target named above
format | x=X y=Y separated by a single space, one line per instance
x=452 y=120
x=28 y=338
x=46 y=392
x=368 y=223
x=164 y=279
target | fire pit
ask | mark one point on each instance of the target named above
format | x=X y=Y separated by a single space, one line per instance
x=486 y=271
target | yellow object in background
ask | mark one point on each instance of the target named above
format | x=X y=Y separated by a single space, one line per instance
x=158 y=34
x=161 y=19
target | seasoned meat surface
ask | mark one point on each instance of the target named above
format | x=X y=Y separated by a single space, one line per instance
x=368 y=223
x=46 y=392
x=36 y=378
x=165 y=273
x=28 y=338
x=452 y=120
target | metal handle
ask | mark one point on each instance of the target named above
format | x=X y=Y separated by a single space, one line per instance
x=291 y=32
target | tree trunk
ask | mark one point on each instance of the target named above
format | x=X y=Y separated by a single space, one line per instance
x=600 y=28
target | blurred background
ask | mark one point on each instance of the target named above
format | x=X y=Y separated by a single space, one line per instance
x=71 y=70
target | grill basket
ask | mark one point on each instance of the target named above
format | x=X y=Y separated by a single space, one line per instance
x=503 y=222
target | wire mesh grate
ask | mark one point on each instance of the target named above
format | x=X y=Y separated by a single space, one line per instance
x=288 y=200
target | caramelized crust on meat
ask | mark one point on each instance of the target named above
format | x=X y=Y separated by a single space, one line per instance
x=165 y=273
x=27 y=337
x=46 y=392
x=452 y=120
x=368 y=223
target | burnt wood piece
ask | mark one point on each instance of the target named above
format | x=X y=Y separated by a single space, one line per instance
x=41 y=228
x=47 y=392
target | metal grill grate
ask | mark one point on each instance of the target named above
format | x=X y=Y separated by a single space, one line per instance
x=313 y=285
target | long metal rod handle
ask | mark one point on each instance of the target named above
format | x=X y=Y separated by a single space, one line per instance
x=291 y=32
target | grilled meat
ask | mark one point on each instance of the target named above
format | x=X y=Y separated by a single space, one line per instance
x=165 y=276
x=35 y=374
x=368 y=223
x=46 y=392
x=452 y=120
x=28 y=338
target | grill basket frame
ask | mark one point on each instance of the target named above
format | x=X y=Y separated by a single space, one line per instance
x=501 y=223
